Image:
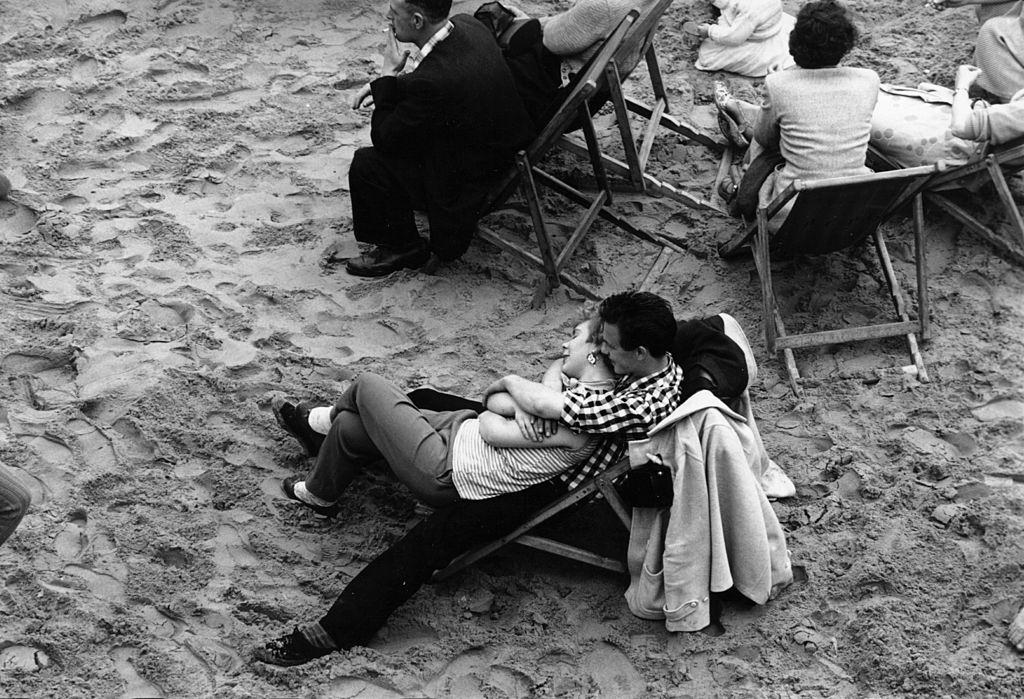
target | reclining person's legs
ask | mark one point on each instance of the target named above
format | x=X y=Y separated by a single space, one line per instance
x=376 y=420
x=396 y=574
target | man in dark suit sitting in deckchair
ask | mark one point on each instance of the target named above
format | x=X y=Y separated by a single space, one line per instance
x=446 y=125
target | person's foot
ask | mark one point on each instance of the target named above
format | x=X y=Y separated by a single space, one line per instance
x=382 y=261
x=729 y=119
x=288 y=488
x=1016 y=631
x=294 y=419
x=289 y=650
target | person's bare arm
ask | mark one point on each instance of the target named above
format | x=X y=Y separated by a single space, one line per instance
x=539 y=406
x=553 y=376
x=535 y=398
x=500 y=431
x=962 y=123
x=502 y=404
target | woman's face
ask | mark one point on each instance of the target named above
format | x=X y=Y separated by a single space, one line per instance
x=576 y=349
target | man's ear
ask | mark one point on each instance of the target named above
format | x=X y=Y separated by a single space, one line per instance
x=418 y=20
x=642 y=353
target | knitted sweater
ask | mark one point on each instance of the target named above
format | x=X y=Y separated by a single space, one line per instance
x=820 y=121
x=575 y=32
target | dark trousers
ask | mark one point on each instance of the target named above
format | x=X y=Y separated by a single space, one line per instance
x=14 y=502
x=395 y=575
x=386 y=190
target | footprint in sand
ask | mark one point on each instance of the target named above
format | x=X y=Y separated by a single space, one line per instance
x=613 y=673
x=355 y=687
x=16 y=658
x=100 y=26
x=138 y=686
x=15 y=220
x=72 y=539
x=94 y=445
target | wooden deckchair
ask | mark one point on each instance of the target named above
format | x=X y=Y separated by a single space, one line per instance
x=639 y=43
x=831 y=215
x=997 y=163
x=714 y=347
x=527 y=174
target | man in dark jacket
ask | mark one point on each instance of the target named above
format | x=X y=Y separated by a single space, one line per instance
x=442 y=133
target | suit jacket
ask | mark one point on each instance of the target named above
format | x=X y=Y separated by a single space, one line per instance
x=457 y=117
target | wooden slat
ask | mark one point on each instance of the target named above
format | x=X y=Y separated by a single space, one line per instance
x=568 y=551
x=832 y=337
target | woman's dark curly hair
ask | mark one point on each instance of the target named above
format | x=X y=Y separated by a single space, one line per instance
x=823 y=34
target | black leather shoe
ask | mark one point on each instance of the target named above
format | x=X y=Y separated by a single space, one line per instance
x=288 y=487
x=294 y=419
x=382 y=261
x=289 y=650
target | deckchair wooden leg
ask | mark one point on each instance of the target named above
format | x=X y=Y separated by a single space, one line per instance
x=594 y=152
x=921 y=261
x=675 y=125
x=654 y=71
x=529 y=188
x=636 y=168
x=574 y=552
x=762 y=258
x=896 y=293
x=581 y=493
x=654 y=186
x=976 y=227
x=615 y=502
x=999 y=180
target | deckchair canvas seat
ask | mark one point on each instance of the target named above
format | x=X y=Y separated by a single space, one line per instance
x=832 y=215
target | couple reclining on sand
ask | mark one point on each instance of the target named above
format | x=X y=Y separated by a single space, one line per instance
x=488 y=470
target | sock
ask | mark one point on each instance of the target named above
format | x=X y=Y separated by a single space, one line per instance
x=320 y=419
x=302 y=493
x=317 y=637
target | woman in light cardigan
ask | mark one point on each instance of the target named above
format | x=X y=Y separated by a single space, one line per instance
x=817 y=115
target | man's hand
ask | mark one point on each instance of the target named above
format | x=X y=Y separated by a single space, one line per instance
x=393 y=58
x=363 y=98
x=534 y=428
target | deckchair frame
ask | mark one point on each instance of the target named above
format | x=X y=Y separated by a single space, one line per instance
x=640 y=44
x=762 y=242
x=527 y=175
x=603 y=484
x=996 y=164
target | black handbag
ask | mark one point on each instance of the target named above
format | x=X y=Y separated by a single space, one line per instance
x=648 y=485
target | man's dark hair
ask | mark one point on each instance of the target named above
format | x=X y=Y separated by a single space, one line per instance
x=434 y=10
x=643 y=320
x=823 y=34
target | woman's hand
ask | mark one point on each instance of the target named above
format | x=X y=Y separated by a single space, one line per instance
x=965 y=76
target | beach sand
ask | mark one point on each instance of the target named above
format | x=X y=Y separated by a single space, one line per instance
x=179 y=173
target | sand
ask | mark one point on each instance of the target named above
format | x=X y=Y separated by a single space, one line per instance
x=179 y=176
